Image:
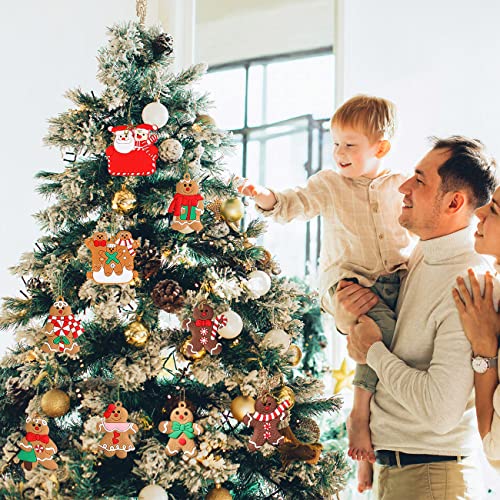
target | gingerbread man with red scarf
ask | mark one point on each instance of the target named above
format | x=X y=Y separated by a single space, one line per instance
x=187 y=206
x=62 y=329
x=116 y=441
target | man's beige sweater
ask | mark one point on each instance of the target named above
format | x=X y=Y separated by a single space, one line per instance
x=424 y=402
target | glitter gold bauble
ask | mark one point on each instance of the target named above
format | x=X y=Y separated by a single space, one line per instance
x=219 y=493
x=190 y=355
x=242 y=405
x=232 y=211
x=137 y=334
x=294 y=355
x=55 y=403
x=283 y=393
x=123 y=201
x=205 y=120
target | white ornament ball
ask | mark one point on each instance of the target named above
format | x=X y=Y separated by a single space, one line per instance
x=233 y=326
x=278 y=339
x=259 y=283
x=153 y=492
x=155 y=113
x=170 y=150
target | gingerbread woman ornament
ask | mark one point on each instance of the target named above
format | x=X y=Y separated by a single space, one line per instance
x=36 y=446
x=265 y=420
x=116 y=440
x=181 y=430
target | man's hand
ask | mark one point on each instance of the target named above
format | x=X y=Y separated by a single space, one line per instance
x=362 y=336
x=350 y=302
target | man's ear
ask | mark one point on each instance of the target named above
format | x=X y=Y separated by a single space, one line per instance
x=384 y=147
x=457 y=202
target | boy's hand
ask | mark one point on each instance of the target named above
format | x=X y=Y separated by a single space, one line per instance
x=245 y=187
x=263 y=197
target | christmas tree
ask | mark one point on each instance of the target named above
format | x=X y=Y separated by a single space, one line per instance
x=157 y=345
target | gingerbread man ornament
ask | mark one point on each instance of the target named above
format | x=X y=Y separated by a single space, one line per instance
x=62 y=329
x=265 y=420
x=36 y=446
x=203 y=330
x=181 y=430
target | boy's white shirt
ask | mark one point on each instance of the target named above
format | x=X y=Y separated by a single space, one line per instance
x=362 y=237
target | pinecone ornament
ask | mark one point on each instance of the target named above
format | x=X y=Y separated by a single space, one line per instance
x=163 y=44
x=17 y=395
x=37 y=284
x=307 y=430
x=148 y=260
x=168 y=296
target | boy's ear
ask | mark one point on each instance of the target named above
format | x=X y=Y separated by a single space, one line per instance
x=383 y=148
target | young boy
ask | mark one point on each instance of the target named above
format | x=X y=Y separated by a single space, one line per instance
x=363 y=241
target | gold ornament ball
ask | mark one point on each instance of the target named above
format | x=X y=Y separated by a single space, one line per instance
x=294 y=355
x=137 y=334
x=219 y=493
x=123 y=201
x=242 y=405
x=55 y=403
x=283 y=393
x=189 y=355
x=205 y=120
x=232 y=210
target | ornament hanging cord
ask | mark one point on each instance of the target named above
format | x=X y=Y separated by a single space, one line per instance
x=141 y=7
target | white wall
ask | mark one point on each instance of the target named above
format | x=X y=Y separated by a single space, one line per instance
x=47 y=48
x=438 y=60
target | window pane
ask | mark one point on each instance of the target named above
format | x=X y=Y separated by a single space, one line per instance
x=226 y=89
x=299 y=87
x=279 y=163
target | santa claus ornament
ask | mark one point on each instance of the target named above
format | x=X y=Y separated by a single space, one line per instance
x=133 y=151
x=187 y=206
x=62 y=329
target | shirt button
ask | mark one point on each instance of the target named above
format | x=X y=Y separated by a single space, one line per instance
x=372 y=186
x=380 y=236
x=385 y=262
x=375 y=207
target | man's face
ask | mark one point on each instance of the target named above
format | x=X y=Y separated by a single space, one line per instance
x=423 y=203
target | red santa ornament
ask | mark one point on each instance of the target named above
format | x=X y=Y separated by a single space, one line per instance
x=133 y=151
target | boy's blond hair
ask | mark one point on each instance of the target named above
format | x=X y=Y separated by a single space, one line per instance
x=375 y=117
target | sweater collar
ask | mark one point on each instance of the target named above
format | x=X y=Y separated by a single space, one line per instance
x=446 y=247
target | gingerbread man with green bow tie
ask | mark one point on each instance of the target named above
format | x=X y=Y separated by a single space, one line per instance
x=181 y=430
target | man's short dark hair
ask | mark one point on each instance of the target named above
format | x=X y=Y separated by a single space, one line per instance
x=469 y=168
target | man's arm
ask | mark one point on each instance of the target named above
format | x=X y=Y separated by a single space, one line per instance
x=439 y=394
